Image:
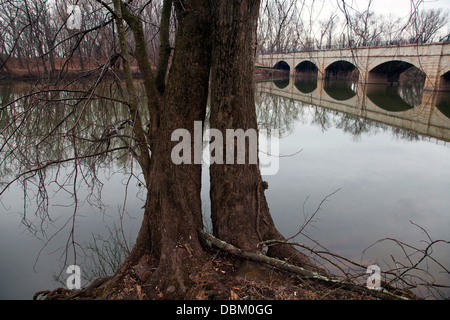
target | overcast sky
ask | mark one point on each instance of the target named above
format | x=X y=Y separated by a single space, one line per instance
x=400 y=8
x=322 y=9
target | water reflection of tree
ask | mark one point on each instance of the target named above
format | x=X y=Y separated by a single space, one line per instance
x=284 y=114
x=354 y=125
x=75 y=129
x=322 y=118
x=411 y=92
x=276 y=112
x=106 y=254
x=358 y=127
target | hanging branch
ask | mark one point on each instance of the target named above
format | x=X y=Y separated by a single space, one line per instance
x=164 y=47
x=138 y=130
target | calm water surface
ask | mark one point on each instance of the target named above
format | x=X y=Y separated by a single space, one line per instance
x=383 y=152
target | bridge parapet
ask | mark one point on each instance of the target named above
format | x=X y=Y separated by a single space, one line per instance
x=432 y=59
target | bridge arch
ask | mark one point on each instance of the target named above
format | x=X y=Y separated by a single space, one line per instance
x=429 y=58
x=282 y=65
x=391 y=72
x=306 y=68
x=444 y=82
x=342 y=69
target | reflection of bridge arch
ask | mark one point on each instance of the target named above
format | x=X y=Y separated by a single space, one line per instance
x=443 y=103
x=282 y=83
x=306 y=85
x=444 y=81
x=282 y=65
x=307 y=67
x=387 y=98
x=340 y=90
x=342 y=69
x=390 y=71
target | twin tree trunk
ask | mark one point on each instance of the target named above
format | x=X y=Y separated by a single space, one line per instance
x=239 y=210
x=215 y=39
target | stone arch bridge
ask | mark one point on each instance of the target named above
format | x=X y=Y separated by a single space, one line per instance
x=369 y=64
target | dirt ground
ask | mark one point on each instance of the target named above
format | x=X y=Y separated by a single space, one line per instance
x=243 y=280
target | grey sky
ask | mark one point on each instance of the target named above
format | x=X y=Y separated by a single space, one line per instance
x=317 y=10
x=401 y=8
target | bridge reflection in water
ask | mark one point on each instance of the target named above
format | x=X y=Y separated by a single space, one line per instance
x=406 y=106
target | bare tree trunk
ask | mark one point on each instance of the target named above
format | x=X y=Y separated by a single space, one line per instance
x=240 y=214
x=173 y=210
x=164 y=48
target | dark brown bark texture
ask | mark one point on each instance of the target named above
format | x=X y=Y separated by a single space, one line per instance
x=240 y=214
x=173 y=210
x=214 y=39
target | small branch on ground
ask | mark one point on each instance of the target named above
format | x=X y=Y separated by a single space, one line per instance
x=299 y=271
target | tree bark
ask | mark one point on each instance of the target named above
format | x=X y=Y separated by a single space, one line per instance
x=173 y=210
x=239 y=211
x=169 y=236
x=164 y=47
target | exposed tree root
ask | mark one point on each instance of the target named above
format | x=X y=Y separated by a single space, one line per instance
x=225 y=275
x=302 y=272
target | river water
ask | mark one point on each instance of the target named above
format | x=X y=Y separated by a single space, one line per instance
x=374 y=160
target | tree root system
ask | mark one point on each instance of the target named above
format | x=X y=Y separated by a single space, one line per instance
x=230 y=274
